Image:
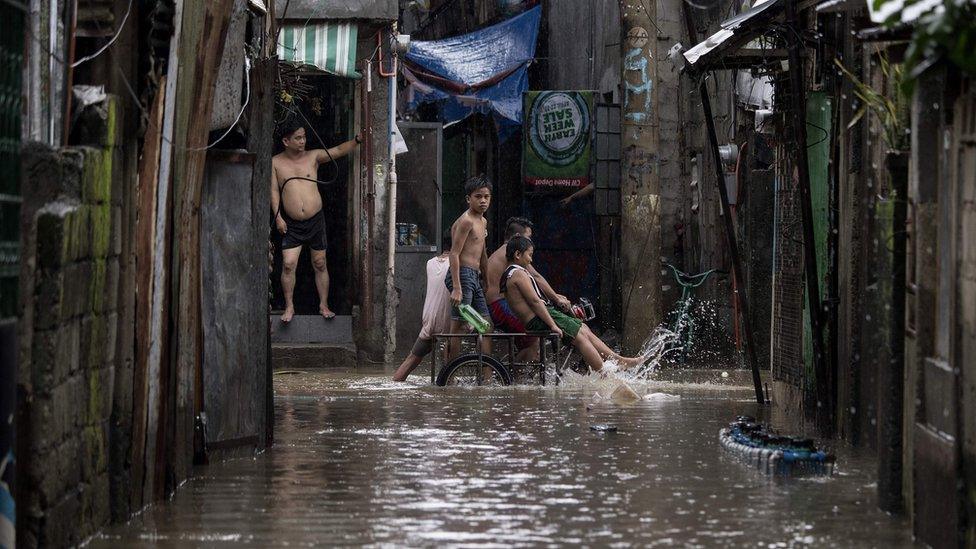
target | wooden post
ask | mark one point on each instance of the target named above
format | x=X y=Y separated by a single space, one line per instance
x=260 y=118
x=204 y=34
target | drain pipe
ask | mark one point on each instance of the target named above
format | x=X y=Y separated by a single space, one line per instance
x=391 y=172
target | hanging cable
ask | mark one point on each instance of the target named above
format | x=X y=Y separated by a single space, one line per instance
x=110 y=42
x=247 y=99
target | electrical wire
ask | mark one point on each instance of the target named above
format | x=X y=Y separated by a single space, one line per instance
x=284 y=14
x=247 y=99
x=109 y=43
x=145 y=115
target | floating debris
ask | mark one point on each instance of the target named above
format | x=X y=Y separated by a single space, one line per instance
x=624 y=392
x=772 y=453
x=603 y=428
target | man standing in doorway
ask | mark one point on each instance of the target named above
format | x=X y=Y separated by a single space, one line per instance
x=297 y=207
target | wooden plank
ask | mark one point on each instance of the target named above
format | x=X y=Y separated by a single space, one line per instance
x=154 y=484
x=145 y=233
x=205 y=35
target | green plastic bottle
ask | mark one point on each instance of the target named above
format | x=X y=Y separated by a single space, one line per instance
x=473 y=318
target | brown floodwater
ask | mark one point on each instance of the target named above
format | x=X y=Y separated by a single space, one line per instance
x=360 y=460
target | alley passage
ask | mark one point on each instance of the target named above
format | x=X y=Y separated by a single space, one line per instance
x=360 y=460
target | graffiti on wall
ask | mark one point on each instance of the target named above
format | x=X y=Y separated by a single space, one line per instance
x=637 y=80
x=639 y=162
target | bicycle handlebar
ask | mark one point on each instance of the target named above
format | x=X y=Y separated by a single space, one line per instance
x=691 y=281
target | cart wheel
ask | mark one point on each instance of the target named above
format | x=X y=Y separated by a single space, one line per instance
x=469 y=370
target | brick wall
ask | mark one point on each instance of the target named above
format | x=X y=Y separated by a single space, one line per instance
x=67 y=376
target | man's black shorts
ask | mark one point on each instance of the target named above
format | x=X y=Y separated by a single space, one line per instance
x=307 y=232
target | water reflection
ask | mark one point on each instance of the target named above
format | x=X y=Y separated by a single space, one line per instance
x=361 y=460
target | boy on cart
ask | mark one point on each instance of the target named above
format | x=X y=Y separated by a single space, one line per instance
x=539 y=315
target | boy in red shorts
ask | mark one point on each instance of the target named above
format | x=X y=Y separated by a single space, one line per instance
x=501 y=314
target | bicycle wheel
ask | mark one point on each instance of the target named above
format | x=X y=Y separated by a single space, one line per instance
x=469 y=370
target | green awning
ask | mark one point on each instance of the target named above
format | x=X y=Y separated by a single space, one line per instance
x=330 y=47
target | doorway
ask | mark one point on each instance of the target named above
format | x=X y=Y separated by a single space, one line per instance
x=329 y=108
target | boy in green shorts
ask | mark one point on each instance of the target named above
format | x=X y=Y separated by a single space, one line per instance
x=528 y=303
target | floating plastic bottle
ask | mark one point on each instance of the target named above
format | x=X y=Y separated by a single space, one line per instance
x=473 y=318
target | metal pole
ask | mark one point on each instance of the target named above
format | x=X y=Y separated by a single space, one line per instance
x=798 y=101
x=729 y=227
x=740 y=291
x=391 y=193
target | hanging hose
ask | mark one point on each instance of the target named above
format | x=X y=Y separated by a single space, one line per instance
x=281 y=189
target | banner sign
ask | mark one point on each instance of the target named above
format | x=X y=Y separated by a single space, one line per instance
x=556 y=139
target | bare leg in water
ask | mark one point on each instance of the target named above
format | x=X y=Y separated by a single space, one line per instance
x=594 y=350
x=408 y=365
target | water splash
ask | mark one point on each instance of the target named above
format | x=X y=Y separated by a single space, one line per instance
x=664 y=347
x=656 y=348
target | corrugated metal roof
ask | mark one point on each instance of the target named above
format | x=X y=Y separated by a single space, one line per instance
x=386 y=10
x=735 y=32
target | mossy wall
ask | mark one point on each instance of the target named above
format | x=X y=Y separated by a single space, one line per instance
x=66 y=401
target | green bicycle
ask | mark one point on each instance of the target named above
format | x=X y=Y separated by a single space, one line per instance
x=682 y=322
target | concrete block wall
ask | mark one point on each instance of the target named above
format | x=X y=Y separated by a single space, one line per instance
x=71 y=323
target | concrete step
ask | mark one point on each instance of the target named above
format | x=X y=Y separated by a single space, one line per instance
x=291 y=356
x=312 y=329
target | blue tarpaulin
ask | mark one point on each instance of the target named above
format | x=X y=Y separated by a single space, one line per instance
x=483 y=71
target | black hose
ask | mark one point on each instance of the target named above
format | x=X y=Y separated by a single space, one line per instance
x=281 y=188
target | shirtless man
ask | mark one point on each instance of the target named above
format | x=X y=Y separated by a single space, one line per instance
x=469 y=257
x=297 y=207
x=501 y=314
x=527 y=301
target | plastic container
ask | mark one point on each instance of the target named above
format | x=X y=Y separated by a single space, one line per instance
x=473 y=318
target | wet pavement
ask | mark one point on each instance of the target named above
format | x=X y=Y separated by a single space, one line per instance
x=359 y=460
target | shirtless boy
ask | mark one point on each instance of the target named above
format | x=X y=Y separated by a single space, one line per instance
x=501 y=314
x=297 y=207
x=529 y=304
x=469 y=257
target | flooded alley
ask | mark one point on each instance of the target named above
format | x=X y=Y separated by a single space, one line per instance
x=360 y=460
x=669 y=273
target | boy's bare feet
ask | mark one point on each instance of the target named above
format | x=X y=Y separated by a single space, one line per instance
x=627 y=363
x=326 y=312
x=286 y=316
